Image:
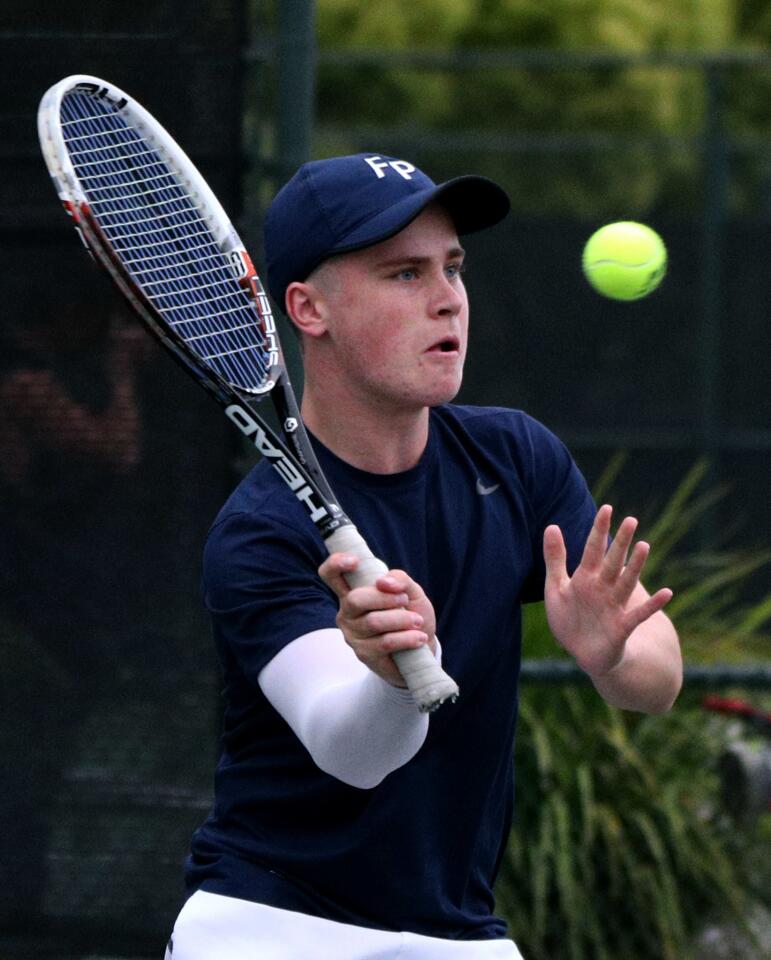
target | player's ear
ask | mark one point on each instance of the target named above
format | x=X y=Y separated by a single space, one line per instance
x=306 y=308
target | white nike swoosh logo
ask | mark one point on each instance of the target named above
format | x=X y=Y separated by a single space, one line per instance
x=484 y=491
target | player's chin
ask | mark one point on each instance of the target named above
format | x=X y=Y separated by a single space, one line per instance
x=432 y=388
x=443 y=390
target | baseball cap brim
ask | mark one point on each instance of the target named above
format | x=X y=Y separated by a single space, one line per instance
x=473 y=203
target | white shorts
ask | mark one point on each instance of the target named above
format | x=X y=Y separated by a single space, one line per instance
x=213 y=927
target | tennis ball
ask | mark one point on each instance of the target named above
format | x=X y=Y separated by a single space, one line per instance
x=625 y=260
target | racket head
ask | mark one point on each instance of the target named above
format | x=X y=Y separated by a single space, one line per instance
x=147 y=215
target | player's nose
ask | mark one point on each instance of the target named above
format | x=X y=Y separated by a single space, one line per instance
x=448 y=296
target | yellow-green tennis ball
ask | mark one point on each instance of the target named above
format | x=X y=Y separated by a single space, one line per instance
x=625 y=260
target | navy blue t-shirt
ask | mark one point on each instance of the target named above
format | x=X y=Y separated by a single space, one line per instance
x=420 y=851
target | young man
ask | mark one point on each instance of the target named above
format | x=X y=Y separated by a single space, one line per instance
x=346 y=824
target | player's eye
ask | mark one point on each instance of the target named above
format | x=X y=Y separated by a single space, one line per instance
x=454 y=270
x=407 y=274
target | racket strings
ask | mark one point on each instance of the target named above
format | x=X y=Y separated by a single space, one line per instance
x=163 y=240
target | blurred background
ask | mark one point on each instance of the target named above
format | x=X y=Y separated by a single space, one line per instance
x=635 y=838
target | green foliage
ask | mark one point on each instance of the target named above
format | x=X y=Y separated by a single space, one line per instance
x=395 y=24
x=620 y=25
x=560 y=138
x=620 y=848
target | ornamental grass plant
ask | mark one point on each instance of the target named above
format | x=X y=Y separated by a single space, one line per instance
x=621 y=848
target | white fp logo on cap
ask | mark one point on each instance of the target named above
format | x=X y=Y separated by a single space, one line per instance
x=380 y=167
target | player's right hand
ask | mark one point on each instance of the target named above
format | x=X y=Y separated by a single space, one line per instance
x=392 y=614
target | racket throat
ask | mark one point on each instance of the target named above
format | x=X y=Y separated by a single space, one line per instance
x=289 y=472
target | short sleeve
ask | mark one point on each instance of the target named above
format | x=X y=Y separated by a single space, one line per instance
x=558 y=494
x=261 y=587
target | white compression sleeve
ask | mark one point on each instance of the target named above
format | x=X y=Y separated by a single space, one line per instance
x=355 y=726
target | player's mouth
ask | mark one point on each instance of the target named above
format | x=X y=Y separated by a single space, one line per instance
x=449 y=345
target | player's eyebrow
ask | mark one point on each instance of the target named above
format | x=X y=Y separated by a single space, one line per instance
x=454 y=253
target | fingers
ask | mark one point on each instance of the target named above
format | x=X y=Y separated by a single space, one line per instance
x=615 y=561
x=554 y=553
x=597 y=541
x=611 y=561
x=377 y=609
x=391 y=590
x=376 y=620
x=398 y=580
x=372 y=612
x=647 y=608
x=381 y=610
x=629 y=575
x=622 y=569
x=332 y=571
x=621 y=564
x=376 y=624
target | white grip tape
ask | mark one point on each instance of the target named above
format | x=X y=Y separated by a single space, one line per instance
x=429 y=685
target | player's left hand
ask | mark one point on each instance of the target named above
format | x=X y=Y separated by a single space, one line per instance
x=592 y=613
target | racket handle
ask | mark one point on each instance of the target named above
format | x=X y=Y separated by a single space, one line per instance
x=429 y=685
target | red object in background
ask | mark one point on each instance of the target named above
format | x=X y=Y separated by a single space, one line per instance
x=734 y=707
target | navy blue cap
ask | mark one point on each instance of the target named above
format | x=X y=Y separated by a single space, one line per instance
x=347 y=203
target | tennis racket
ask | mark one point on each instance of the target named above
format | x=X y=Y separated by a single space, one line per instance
x=147 y=215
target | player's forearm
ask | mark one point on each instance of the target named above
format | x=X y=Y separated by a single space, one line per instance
x=362 y=731
x=650 y=674
x=355 y=726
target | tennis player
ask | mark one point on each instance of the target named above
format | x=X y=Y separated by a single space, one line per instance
x=346 y=824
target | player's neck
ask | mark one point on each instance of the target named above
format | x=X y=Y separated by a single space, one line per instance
x=366 y=435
